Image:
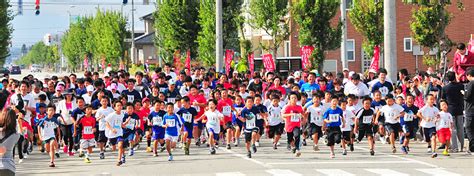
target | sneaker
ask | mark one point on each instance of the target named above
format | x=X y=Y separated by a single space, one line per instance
x=351 y=146
x=332 y=155
x=325 y=137
x=42 y=150
x=293 y=150
x=316 y=148
x=131 y=152
x=163 y=148
x=87 y=160
x=198 y=143
x=155 y=154
x=102 y=156
x=52 y=164
x=236 y=144
x=123 y=159
x=25 y=155
x=429 y=149
x=344 y=152
x=408 y=148
x=228 y=146
x=387 y=140
x=65 y=149
x=441 y=147
x=394 y=150
x=404 y=150
x=254 y=148
x=186 y=151
x=278 y=143
x=81 y=154
x=274 y=146
x=304 y=142
x=119 y=163
x=445 y=153
x=213 y=151
x=249 y=154
x=382 y=140
x=288 y=147
x=434 y=155
x=71 y=154
x=148 y=149
x=137 y=146
x=372 y=153
x=170 y=158
x=257 y=144
x=57 y=155
x=298 y=153
x=20 y=161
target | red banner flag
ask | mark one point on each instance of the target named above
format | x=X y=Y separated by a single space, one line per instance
x=268 y=62
x=251 y=63
x=306 y=52
x=374 y=65
x=188 y=60
x=470 y=45
x=229 y=54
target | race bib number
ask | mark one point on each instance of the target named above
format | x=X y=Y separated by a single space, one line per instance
x=367 y=119
x=315 y=117
x=117 y=123
x=276 y=116
x=207 y=93
x=88 y=130
x=408 y=118
x=333 y=117
x=309 y=93
x=187 y=117
x=250 y=124
x=295 y=118
x=226 y=110
x=383 y=91
x=157 y=121
x=130 y=98
x=131 y=124
x=171 y=100
x=171 y=122
x=390 y=115
x=213 y=119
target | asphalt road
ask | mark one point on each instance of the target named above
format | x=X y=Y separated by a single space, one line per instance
x=266 y=161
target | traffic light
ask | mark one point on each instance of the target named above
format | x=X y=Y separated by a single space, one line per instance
x=37 y=7
x=124 y=1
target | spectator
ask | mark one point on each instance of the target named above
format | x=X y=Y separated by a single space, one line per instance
x=452 y=94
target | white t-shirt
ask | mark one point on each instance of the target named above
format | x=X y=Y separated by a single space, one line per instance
x=244 y=95
x=445 y=120
x=274 y=117
x=48 y=129
x=391 y=112
x=115 y=122
x=213 y=120
x=428 y=112
x=36 y=96
x=172 y=74
x=348 y=116
x=207 y=92
x=87 y=98
x=102 y=113
x=359 y=90
x=354 y=109
x=28 y=101
x=316 y=114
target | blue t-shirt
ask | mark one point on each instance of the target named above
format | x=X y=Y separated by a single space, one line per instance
x=173 y=123
x=377 y=104
x=309 y=88
x=251 y=118
x=187 y=115
x=171 y=94
x=334 y=116
x=156 y=119
x=234 y=113
x=132 y=95
x=80 y=92
x=261 y=109
x=130 y=127
x=410 y=116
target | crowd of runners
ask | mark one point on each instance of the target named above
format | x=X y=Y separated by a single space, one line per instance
x=72 y=115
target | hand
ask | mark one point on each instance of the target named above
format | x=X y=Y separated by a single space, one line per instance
x=75 y=134
x=114 y=131
x=195 y=103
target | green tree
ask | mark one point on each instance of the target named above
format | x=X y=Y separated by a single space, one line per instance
x=314 y=18
x=73 y=44
x=367 y=18
x=5 y=30
x=41 y=54
x=176 y=27
x=270 y=16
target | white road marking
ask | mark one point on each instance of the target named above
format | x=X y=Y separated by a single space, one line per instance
x=438 y=172
x=402 y=158
x=230 y=174
x=246 y=158
x=282 y=172
x=334 y=172
x=386 y=172
x=343 y=162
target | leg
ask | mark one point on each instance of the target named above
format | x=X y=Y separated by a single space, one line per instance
x=469 y=125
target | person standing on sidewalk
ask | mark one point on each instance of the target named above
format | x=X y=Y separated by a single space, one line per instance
x=469 y=109
x=452 y=93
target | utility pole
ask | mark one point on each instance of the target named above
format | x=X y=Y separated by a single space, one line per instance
x=219 y=43
x=344 y=35
x=390 y=38
x=132 y=53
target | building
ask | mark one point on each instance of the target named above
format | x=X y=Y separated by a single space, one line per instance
x=144 y=44
x=408 y=54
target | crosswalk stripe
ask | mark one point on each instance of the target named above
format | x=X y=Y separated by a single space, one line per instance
x=386 y=172
x=334 y=172
x=438 y=172
x=230 y=174
x=282 y=172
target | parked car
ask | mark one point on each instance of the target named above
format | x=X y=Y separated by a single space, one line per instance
x=36 y=68
x=4 y=71
x=15 y=70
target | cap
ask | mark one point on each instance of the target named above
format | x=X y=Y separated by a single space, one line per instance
x=171 y=82
x=59 y=87
x=345 y=69
x=297 y=74
x=145 y=99
x=113 y=86
x=290 y=77
x=372 y=71
x=90 y=88
x=60 y=82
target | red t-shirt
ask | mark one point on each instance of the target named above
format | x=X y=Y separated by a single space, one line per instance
x=200 y=99
x=227 y=103
x=142 y=114
x=279 y=88
x=292 y=121
x=88 y=123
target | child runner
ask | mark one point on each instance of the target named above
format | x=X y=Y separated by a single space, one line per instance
x=377 y=104
x=224 y=105
x=187 y=114
x=314 y=114
x=249 y=117
x=47 y=129
x=238 y=124
x=409 y=122
x=156 y=121
x=262 y=114
x=274 y=120
x=333 y=121
x=100 y=115
x=444 y=122
x=131 y=122
x=88 y=129
x=347 y=128
x=365 y=118
x=292 y=115
x=214 y=117
x=428 y=114
x=171 y=123
x=114 y=131
x=392 y=113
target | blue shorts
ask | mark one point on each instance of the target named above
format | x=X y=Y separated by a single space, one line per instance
x=158 y=133
x=188 y=127
x=116 y=140
x=429 y=132
x=128 y=137
x=199 y=125
x=215 y=135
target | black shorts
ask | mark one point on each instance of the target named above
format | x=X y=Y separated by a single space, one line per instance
x=334 y=135
x=365 y=131
x=229 y=125
x=102 y=137
x=381 y=120
x=393 y=128
x=429 y=132
x=248 y=134
x=140 y=132
x=346 y=135
x=260 y=125
x=409 y=131
x=275 y=130
x=315 y=129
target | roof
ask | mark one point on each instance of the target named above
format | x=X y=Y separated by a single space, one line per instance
x=147 y=17
x=146 y=39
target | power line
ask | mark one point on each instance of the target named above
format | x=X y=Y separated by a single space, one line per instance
x=74 y=3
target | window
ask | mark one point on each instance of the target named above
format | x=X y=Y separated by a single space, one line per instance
x=366 y=61
x=407 y=45
x=330 y=65
x=349 y=4
x=287 y=49
x=350 y=49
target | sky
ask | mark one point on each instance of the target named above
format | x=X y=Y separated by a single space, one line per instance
x=54 y=16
